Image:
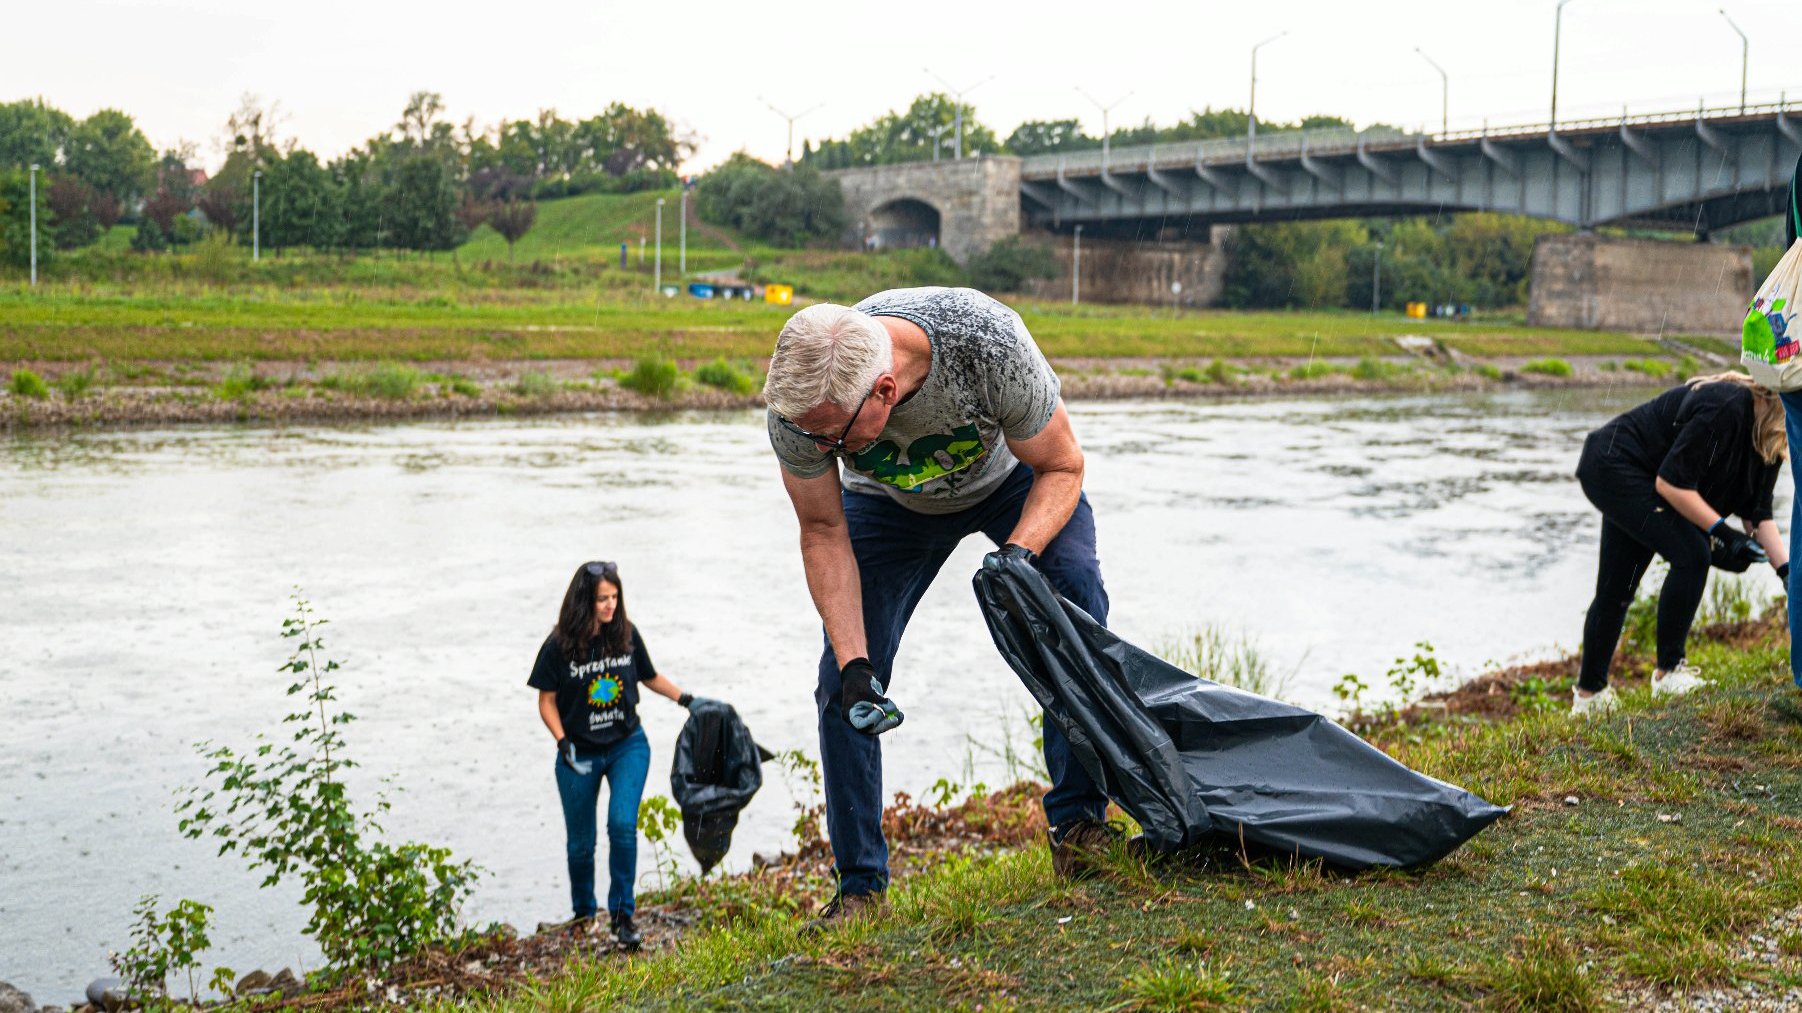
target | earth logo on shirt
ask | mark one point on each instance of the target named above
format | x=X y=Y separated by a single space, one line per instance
x=604 y=691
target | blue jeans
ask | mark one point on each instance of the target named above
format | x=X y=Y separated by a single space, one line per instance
x=625 y=765
x=899 y=552
x=1792 y=424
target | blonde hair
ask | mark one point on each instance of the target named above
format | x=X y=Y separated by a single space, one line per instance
x=1768 y=437
x=826 y=354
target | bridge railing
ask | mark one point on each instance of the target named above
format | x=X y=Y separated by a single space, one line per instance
x=1138 y=158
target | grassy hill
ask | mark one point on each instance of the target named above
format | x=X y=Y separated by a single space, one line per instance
x=593 y=225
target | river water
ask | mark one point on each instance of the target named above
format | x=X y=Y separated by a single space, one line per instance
x=146 y=575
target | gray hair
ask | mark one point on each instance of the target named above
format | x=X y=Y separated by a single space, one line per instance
x=826 y=354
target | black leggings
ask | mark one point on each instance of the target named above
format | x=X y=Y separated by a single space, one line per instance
x=1636 y=524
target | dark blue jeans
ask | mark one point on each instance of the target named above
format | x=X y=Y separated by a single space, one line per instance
x=624 y=765
x=1792 y=424
x=899 y=552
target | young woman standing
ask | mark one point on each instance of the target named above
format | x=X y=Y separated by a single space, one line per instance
x=1664 y=474
x=587 y=676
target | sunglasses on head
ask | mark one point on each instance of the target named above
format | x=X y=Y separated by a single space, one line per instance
x=835 y=446
x=600 y=569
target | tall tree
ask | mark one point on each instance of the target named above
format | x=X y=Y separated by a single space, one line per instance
x=1044 y=137
x=32 y=133
x=73 y=220
x=907 y=136
x=513 y=220
x=15 y=220
x=108 y=152
x=422 y=206
x=300 y=206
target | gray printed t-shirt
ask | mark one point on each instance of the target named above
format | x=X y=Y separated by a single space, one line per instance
x=944 y=448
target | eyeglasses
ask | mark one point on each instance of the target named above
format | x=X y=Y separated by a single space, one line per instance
x=600 y=569
x=833 y=446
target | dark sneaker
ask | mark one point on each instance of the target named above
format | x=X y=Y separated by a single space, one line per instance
x=626 y=932
x=577 y=924
x=843 y=908
x=1078 y=847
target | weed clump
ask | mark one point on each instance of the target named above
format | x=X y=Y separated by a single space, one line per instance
x=727 y=377
x=1655 y=368
x=1548 y=367
x=535 y=384
x=239 y=383
x=1312 y=370
x=652 y=376
x=1174 y=986
x=26 y=383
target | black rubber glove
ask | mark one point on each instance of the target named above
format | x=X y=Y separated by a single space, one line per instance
x=689 y=700
x=1783 y=573
x=566 y=755
x=861 y=700
x=1731 y=549
x=685 y=700
x=1014 y=550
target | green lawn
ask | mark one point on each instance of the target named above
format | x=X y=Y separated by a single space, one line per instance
x=1645 y=852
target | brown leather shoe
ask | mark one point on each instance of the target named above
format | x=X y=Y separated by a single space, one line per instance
x=843 y=908
x=1077 y=847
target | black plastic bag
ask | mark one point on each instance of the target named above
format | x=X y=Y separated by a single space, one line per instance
x=1193 y=760
x=718 y=767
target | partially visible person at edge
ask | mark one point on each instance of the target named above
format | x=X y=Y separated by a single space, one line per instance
x=904 y=424
x=1792 y=415
x=587 y=676
x=1664 y=474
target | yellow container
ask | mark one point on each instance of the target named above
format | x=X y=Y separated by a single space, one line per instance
x=1417 y=310
x=781 y=295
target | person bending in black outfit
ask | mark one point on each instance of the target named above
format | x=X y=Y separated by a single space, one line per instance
x=1663 y=474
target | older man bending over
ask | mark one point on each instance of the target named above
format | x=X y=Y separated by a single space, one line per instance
x=903 y=424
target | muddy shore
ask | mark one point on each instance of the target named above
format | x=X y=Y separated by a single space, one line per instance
x=164 y=394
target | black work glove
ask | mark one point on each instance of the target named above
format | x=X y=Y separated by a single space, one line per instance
x=566 y=755
x=861 y=700
x=1731 y=549
x=1783 y=573
x=1014 y=550
x=689 y=700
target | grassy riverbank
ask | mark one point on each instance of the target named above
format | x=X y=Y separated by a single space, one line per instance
x=1652 y=860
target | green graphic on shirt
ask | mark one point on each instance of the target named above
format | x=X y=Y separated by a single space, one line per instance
x=928 y=457
x=604 y=691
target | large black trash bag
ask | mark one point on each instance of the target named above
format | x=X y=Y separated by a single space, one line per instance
x=718 y=767
x=1191 y=759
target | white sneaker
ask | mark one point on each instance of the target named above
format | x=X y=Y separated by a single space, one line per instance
x=1685 y=678
x=1596 y=703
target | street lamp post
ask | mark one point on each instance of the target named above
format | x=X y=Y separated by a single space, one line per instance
x=1445 y=90
x=1251 y=124
x=256 y=215
x=788 y=152
x=1076 y=269
x=682 y=231
x=1376 y=279
x=657 y=270
x=34 y=223
x=937 y=133
x=1557 y=38
x=957 y=109
x=1744 y=53
x=1105 y=109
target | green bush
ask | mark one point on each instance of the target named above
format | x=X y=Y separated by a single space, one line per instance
x=652 y=376
x=75 y=382
x=1487 y=371
x=389 y=380
x=536 y=384
x=283 y=805
x=1219 y=372
x=1547 y=367
x=727 y=377
x=239 y=383
x=463 y=386
x=1312 y=370
x=1368 y=368
x=1010 y=264
x=785 y=208
x=1650 y=367
x=25 y=383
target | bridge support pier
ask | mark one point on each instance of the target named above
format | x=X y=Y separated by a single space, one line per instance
x=1137 y=271
x=1648 y=286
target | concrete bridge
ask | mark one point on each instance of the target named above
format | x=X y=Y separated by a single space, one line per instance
x=1692 y=171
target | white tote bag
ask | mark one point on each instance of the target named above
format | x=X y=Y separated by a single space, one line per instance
x=1771 y=337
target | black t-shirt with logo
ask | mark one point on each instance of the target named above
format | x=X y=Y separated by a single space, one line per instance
x=597 y=697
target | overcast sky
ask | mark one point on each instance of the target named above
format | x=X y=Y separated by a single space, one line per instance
x=341 y=71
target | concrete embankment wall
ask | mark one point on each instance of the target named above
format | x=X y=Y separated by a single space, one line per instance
x=1117 y=271
x=1643 y=285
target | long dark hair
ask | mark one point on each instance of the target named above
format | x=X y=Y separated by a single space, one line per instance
x=576 y=632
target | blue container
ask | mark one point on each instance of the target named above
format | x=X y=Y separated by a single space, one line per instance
x=700 y=290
